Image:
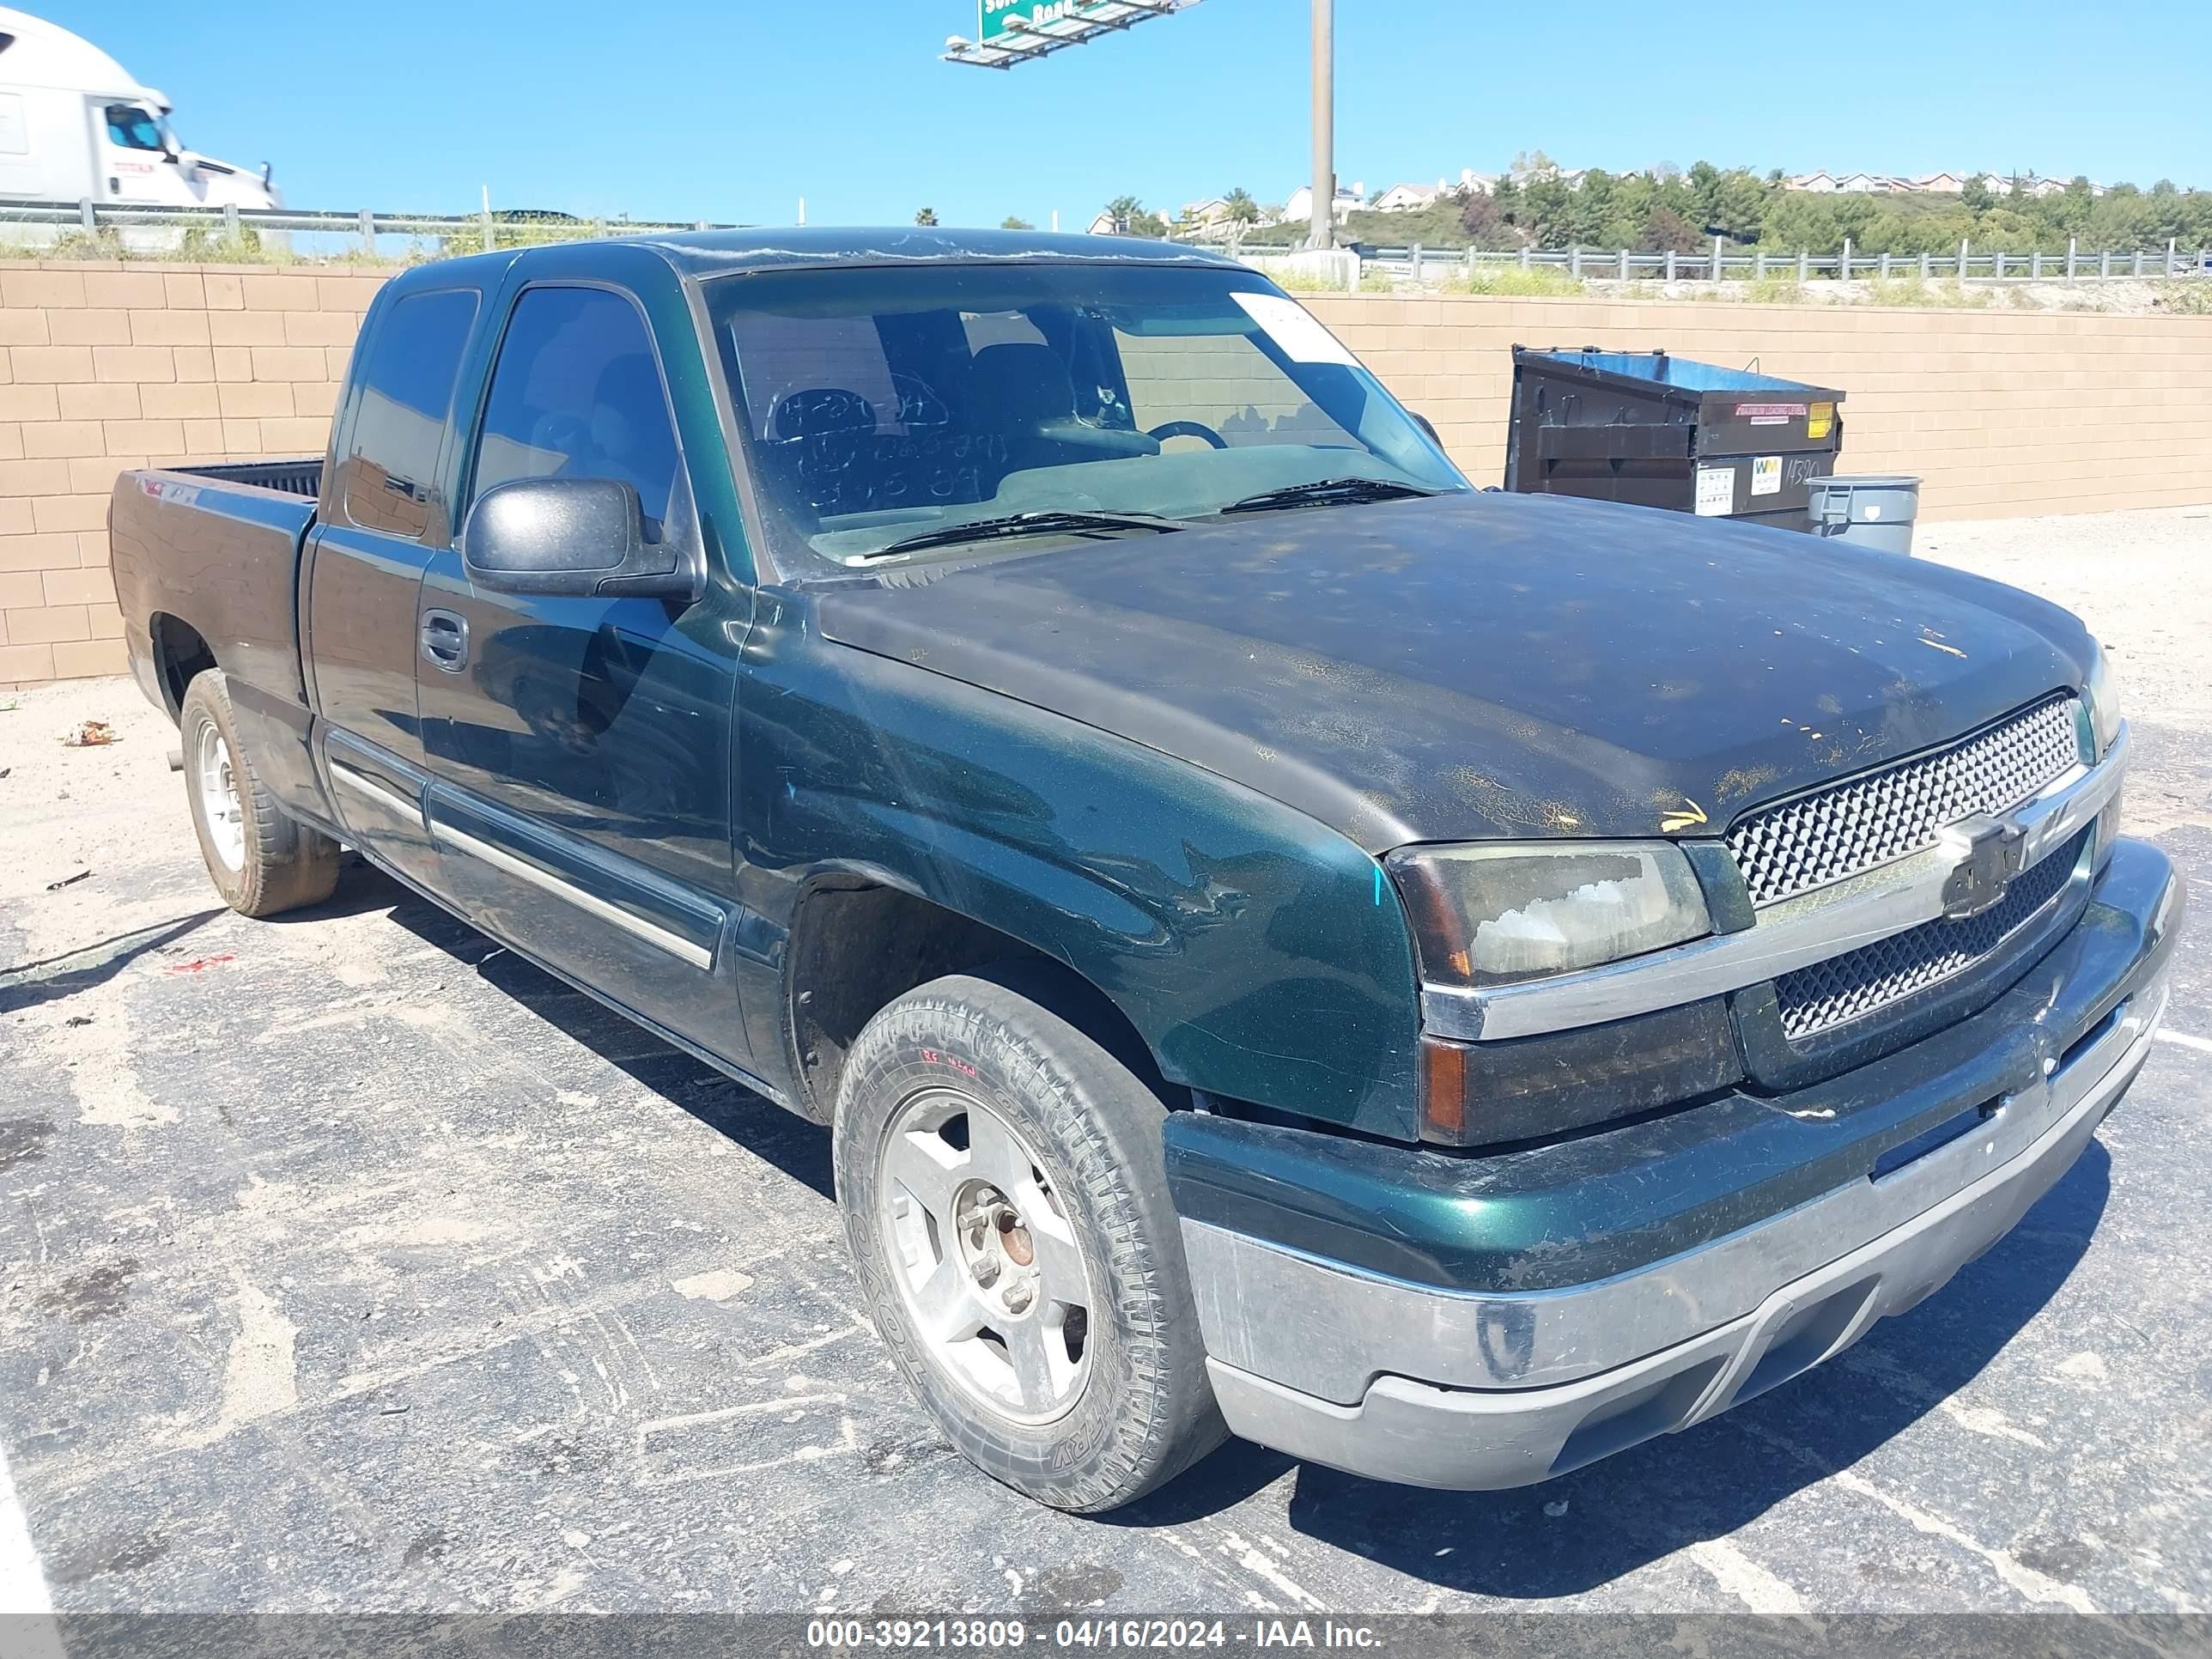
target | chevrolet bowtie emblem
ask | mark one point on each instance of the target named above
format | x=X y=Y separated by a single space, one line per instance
x=1988 y=855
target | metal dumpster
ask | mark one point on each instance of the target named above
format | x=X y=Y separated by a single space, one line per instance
x=1652 y=430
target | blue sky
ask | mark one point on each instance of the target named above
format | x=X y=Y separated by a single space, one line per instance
x=732 y=112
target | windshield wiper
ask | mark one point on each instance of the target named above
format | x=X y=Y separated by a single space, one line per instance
x=1019 y=523
x=1327 y=492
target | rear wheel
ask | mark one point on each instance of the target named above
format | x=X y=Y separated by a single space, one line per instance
x=1002 y=1184
x=262 y=862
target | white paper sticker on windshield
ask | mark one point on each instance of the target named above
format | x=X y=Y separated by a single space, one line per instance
x=1291 y=326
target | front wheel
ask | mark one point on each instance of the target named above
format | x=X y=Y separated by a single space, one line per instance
x=1002 y=1184
x=262 y=862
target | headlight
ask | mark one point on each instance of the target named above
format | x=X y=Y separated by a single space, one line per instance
x=2103 y=697
x=1491 y=915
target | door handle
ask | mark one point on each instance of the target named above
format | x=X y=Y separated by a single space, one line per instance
x=445 y=639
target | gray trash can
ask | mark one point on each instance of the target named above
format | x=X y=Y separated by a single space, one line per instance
x=1866 y=511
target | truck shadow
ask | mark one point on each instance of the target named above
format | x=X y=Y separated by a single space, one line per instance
x=1629 y=1510
x=1623 y=1513
x=796 y=1147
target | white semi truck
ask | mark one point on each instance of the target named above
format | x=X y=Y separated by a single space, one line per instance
x=74 y=127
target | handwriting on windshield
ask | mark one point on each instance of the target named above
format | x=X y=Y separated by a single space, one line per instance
x=838 y=473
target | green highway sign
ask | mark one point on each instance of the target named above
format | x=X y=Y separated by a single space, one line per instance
x=1001 y=18
x=1010 y=32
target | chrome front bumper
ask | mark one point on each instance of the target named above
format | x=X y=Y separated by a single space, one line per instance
x=1471 y=1389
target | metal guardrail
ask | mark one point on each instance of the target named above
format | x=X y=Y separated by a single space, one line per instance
x=1626 y=264
x=487 y=228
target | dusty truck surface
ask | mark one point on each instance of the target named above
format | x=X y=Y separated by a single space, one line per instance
x=1445 y=983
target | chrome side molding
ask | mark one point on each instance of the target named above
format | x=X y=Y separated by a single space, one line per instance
x=354 y=783
x=1811 y=928
x=545 y=881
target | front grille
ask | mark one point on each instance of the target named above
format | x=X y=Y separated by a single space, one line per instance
x=1877 y=818
x=1818 y=998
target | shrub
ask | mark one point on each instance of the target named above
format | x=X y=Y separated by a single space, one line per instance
x=1912 y=291
x=1534 y=281
x=1774 y=291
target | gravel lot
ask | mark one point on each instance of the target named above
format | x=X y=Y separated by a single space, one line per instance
x=347 y=1263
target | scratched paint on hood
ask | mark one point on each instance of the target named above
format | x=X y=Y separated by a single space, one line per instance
x=1489 y=665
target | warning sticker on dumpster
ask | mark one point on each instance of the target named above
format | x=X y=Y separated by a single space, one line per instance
x=1768 y=414
x=1766 y=475
x=1821 y=421
x=1716 y=491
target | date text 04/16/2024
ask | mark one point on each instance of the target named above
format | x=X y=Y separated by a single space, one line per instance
x=1013 y=1635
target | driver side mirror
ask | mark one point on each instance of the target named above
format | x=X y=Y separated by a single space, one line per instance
x=1427 y=426
x=576 y=537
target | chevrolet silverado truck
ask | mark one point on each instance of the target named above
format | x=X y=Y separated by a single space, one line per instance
x=1446 y=984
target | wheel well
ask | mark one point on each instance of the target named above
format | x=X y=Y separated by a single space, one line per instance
x=179 y=654
x=857 y=947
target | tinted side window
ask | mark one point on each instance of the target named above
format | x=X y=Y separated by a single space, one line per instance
x=130 y=127
x=576 y=394
x=406 y=392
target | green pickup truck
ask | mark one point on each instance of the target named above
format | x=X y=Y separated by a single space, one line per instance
x=1445 y=983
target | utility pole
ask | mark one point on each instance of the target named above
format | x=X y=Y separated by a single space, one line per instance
x=1324 y=123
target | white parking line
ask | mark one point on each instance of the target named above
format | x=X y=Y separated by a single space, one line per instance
x=1745 y=1579
x=22 y=1585
x=2202 y=1045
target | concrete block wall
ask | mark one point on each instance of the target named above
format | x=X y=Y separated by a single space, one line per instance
x=105 y=367
x=108 y=367
x=1999 y=412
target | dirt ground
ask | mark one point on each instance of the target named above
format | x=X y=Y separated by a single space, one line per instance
x=349 y=1263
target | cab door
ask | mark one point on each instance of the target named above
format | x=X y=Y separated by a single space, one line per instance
x=383 y=518
x=131 y=155
x=581 y=748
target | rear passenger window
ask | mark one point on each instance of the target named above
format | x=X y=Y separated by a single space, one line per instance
x=576 y=394
x=406 y=391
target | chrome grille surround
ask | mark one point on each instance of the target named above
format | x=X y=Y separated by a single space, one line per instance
x=1876 y=817
x=1782 y=938
x=1816 y=999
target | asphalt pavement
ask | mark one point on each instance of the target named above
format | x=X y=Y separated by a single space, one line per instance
x=348 y=1263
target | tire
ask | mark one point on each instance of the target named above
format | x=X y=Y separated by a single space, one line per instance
x=262 y=862
x=1139 y=1409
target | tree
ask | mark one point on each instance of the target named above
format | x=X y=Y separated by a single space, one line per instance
x=1977 y=196
x=1485 y=224
x=1130 y=218
x=1545 y=208
x=1015 y=222
x=1666 y=231
x=926 y=216
x=1241 y=213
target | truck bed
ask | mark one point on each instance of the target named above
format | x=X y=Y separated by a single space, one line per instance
x=207 y=568
x=300 y=477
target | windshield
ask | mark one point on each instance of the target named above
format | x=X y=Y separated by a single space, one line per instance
x=885 y=403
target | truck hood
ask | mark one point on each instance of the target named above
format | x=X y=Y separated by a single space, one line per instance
x=228 y=184
x=1486 y=665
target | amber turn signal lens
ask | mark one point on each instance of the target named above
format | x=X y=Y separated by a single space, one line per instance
x=1444 y=1091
